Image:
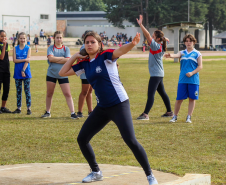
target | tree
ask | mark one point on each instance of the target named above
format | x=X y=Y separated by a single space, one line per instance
x=80 y=5
x=155 y=12
x=216 y=16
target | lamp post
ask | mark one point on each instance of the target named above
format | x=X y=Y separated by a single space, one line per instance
x=188 y=10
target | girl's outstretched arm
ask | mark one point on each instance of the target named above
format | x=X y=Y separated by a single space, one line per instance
x=145 y=32
x=169 y=55
x=126 y=48
x=67 y=70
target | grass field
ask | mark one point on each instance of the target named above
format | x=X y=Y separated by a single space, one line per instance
x=177 y=148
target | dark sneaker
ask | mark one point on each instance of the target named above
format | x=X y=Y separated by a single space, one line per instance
x=89 y=113
x=168 y=114
x=152 y=180
x=17 y=111
x=0 y=112
x=143 y=117
x=28 y=111
x=80 y=115
x=74 y=116
x=46 y=115
x=5 y=110
x=93 y=176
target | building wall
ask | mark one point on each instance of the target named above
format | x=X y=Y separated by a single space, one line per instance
x=24 y=15
x=62 y=26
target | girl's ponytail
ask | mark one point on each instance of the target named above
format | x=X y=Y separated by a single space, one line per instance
x=164 y=45
x=160 y=34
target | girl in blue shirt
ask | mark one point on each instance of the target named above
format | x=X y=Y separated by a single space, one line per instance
x=188 y=84
x=112 y=101
x=22 y=72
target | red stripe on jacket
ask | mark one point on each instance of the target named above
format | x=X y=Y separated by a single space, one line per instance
x=157 y=51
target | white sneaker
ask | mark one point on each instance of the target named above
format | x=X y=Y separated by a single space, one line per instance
x=93 y=176
x=174 y=119
x=152 y=180
x=188 y=120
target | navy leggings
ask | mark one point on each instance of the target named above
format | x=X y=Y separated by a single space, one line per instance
x=156 y=83
x=26 y=90
x=120 y=114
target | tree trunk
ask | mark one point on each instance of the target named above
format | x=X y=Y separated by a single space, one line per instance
x=206 y=35
x=211 y=31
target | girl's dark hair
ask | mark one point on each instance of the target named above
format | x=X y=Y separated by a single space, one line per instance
x=97 y=37
x=2 y=31
x=21 y=33
x=189 y=36
x=160 y=34
x=56 y=33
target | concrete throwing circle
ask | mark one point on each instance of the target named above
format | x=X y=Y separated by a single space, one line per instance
x=73 y=173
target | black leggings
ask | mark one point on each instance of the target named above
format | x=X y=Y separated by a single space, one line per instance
x=156 y=83
x=120 y=114
x=5 y=80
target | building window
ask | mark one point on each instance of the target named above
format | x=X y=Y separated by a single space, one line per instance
x=44 y=16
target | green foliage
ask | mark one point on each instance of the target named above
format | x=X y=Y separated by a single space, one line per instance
x=159 y=11
x=80 y=5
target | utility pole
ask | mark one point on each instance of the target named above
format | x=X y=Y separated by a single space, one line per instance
x=188 y=10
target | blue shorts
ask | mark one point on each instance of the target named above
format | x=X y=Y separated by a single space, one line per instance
x=187 y=90
x=28 y=43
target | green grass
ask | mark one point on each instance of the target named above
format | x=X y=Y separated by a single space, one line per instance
x=213 y=57
x=178 y=148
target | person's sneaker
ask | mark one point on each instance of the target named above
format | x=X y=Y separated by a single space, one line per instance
x=5 y=110
x=174 y=119
x=17 y=111
x=80 y=115
x=74 y=116
x=143 y=117
x=93 y=176
x=89 y=113
x=0 y=112
x=152 y=180
x=168 y=114
x=46 y=115
x=188 y=119
x=28 y=111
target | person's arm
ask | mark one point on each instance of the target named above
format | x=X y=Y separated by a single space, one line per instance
x=145 y=32
x=53 y=59
x=126 y=48
x=169 y=55
x=26 y=63
x=67 y=56
x=3 y=50
x=199 y=60
x=67 y=69
x=18 y=60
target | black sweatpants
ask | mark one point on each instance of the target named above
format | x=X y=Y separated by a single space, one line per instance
x=5 y=81
x=156 y=83
x=120 y=114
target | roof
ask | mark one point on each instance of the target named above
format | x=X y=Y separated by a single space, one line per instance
x=220 y=35
x=182 y=24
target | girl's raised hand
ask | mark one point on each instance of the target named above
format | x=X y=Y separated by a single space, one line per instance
x=136 y=39
x=140 y=20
